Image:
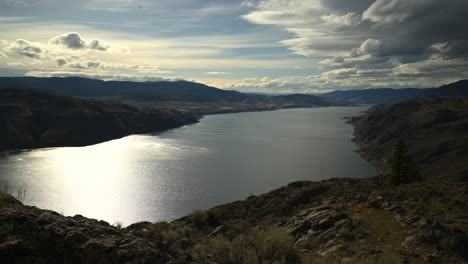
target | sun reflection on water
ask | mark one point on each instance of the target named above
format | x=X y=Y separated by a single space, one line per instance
x=97 y=180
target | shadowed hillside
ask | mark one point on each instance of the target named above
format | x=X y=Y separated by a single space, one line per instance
x=31 y=119
x=435 y=128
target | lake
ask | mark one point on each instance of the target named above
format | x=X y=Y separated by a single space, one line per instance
x=158 y=177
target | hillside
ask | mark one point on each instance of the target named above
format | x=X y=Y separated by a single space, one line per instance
x=435 y=129
x=31 y=119
x=388 y=95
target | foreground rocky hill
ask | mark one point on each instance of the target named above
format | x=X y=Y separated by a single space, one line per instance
x=31 y=235
x=435 y=129
x=333 y=221
x=31 y=119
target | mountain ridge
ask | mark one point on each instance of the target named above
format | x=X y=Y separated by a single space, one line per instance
x=391 y=95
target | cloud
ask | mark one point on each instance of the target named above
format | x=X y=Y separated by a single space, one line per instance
x=350 y=19
x=3 y=55
x=75 y=41
x=85 y=65
x=98 y=45
x=102 y=75
x=71 y=40
x=215 y=73
x=61 y=62
x=368 y=39
x=397 y=11
x=369 y=46
x=26 y=49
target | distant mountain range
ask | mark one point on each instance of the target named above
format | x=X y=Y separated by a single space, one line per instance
x=126 y=90
x=179 y=92
x=184 y=91
x=389 y=95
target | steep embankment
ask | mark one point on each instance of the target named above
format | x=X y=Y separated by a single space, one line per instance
x=31 y=119
x=435 y=129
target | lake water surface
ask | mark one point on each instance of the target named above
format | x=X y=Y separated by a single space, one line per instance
x=165 y=176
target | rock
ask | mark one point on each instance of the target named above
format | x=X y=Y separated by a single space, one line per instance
x=301 y=228
x=410 y=241
x=218 y=230
x=376 y=202
x=329 y=221
x=332 y=251
x=75 y=238
x=9 y=250
x=306 y=196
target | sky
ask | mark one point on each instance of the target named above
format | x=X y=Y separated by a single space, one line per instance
x=273 y=46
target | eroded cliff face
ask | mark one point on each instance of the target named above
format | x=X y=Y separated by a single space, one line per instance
x=434 y=128
x=30 y=119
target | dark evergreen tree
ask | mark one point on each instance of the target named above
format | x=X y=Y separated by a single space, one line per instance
x=404 y=169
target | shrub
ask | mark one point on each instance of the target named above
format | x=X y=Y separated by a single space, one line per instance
x=162 y=232
x=198 y=217
x=257 y=246
x=117 y=224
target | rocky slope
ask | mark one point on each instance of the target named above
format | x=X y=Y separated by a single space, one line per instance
x=31 y=235
x=435 y=129
x=31 y=119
